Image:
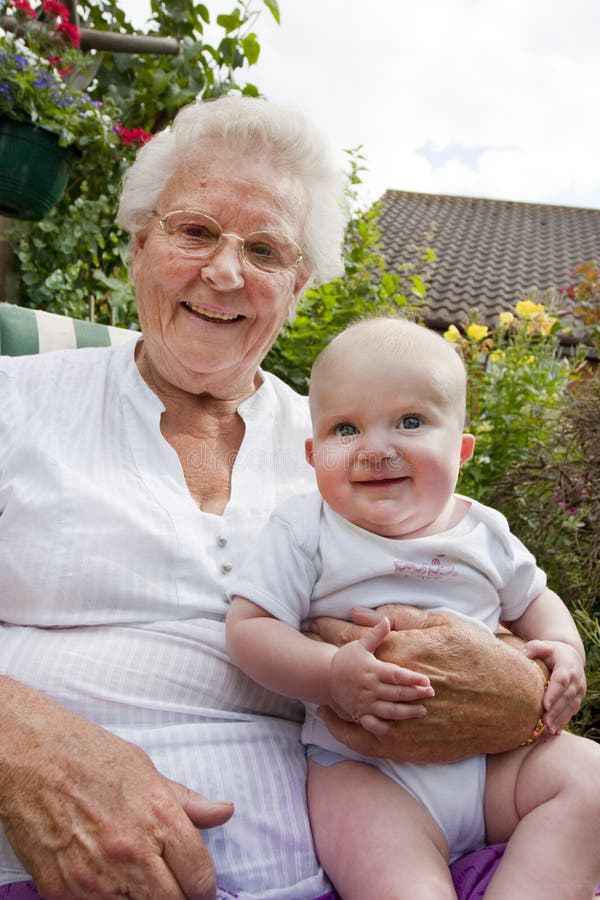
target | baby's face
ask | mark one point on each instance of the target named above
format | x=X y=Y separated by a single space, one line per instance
x=387 y=441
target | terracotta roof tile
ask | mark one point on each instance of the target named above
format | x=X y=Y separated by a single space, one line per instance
x=489 y=252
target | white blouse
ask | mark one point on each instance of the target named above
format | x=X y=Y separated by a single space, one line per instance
x=113 y=592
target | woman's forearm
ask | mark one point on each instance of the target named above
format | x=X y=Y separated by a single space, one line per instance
x=67 y=787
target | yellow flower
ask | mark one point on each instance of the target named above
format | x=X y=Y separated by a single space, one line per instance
x=452 y=334
x=506 y=319
x=529 y=361
x=497 y=356
x=545 y=323
x=477 y=332
x=483 y=427
x=526 y=308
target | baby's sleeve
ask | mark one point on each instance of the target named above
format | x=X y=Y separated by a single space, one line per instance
x=526 y=582
x=280 y=573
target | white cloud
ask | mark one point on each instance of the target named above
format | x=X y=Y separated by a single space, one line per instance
x=393 y=75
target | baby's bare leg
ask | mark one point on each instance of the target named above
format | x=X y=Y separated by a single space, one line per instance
x=373 y=838
x=545 y=801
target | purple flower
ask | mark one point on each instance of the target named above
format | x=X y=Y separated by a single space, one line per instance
x=20 y=62
x=44 y=79
x=5 y=91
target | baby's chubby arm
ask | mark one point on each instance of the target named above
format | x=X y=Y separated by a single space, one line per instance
x=349 y=679
x=552 y=636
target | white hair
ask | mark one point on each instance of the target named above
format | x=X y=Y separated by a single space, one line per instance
x=281 y=135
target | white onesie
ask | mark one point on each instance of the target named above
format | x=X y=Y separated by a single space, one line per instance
x=311 y=562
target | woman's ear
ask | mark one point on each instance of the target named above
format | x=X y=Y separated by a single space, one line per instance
x=303 y=275
x=137 y=248
x=466 y=448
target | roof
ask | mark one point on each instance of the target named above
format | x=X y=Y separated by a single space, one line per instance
x=489 y=252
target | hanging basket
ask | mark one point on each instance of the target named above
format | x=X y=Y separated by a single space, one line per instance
x=34 y=169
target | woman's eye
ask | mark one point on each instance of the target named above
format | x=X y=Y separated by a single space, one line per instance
x=345 y=429
x=262 y=251
x=197 y=233
x=410 y=422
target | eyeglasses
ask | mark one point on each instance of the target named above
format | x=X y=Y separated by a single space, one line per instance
x=195 y=234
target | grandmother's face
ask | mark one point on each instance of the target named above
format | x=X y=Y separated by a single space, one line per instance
x=213 y=320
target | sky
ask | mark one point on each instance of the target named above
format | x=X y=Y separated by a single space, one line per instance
x=477 y=98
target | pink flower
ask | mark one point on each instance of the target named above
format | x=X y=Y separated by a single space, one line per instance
x=71 y=32
x=58 y=10
x=132 y=136
x=25 y=7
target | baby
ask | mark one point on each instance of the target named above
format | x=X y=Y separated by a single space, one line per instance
x=387 y=402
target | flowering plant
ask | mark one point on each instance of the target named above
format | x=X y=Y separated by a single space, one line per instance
x=42 y=71
x=517 y=376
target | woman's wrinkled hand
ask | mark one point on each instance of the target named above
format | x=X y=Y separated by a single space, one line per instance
x=488 y=695
x=88 y=814
x=371 y=692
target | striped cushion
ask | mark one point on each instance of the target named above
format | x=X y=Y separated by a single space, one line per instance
x=24 y=331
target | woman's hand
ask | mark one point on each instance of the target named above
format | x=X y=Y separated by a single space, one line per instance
x=567 y=685
x=88 y=814
x=372 y=692
x=488 y=696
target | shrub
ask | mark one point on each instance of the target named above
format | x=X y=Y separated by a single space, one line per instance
x=534 y=412
x=365 y=288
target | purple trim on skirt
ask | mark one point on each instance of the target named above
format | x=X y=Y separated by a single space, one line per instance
x=471 y=875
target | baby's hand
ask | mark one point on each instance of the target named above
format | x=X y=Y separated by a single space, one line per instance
x=372 y=692
x=567 y=685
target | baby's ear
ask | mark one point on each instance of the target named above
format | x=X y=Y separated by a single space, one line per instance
x=466 y=448
x=308 y=451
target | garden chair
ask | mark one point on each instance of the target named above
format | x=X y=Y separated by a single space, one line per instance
x=24 y=331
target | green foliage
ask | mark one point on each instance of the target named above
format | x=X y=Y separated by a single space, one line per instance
x=151 y=89
x=516 y=380
x=41 y=69
x=537 y=459
x=75 y=260
x=365 y=288
x=552 y=497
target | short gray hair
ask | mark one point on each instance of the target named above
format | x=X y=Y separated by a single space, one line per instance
x=281 y=135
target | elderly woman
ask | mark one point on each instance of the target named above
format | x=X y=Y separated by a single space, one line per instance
x=133 y=481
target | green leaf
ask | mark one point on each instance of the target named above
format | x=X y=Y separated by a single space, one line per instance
x=418 y=286
x=250 y=90
x=230 y=22
x=251 y=48
x=273 y=7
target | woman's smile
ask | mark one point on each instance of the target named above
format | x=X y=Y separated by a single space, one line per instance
x=211 y=315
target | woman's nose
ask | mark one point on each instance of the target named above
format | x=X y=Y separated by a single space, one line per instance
x=223 y=269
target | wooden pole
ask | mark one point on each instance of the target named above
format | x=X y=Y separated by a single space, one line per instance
x=113 y=41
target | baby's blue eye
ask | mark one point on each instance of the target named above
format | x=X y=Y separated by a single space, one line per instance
x=410 y=422
x=345 y=429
